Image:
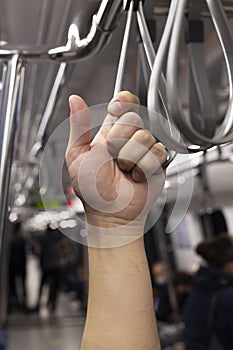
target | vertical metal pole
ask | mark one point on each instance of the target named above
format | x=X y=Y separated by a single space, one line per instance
x=8 y=126
x=51 y=101
x=3 y=80
x=122 y=59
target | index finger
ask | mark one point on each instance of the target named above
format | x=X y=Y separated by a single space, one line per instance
x=123 y=102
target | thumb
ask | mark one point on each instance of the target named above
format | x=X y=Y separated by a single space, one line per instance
x=80 y=125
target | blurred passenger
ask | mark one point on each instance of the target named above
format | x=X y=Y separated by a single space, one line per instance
x=183 y=285
x=50 y=258
x=208 y=312
x=3 y=340
x=170 y=287
x=161 y=276
x=73 y=275
x=17 y=271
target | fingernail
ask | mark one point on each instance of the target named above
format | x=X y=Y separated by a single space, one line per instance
x=115 y=108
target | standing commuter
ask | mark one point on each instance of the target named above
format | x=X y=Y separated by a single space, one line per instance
x=50 y=260
x=208 y=312
x=17 y=271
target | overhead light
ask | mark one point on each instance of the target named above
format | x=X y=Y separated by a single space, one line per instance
x=20 y=200
x=3 y=42
x=13 y=217
x=194 y=147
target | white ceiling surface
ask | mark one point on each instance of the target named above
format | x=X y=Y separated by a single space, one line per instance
x=44 y=23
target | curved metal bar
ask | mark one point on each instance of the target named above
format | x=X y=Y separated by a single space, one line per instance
x=145 y=35
x=183 y=123
x=170 y=138
x=194 y=103
x=226 y=39
x=103 y=23
x=7 y=54
x=207 y=138
x=168 y=134
x=150 y=52
x=202 y=87
x=202 y=105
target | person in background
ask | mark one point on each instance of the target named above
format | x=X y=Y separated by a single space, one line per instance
x=161 y=276
x=17 y=271
x=181 y=287
x=208 y=311
x=72 y=270
x=50 y=258
x=167 y=287
x=117 y=176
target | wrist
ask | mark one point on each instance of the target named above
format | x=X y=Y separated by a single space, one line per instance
x=112 y=232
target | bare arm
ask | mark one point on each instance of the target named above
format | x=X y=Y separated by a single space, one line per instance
x=120 y=307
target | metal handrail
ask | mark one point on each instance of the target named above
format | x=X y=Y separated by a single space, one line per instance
x=150 y=55
x=184 y=124
x=171 y=37
x=122 y=59
x=153 y=98
x=162 y=84
x=103 y=24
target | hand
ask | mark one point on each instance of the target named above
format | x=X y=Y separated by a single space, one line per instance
x=113 y=174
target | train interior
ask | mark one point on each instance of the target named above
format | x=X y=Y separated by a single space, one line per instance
x=45 y=57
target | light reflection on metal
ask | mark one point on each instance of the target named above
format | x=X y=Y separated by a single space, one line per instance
x=8 y=128
x=103 y=24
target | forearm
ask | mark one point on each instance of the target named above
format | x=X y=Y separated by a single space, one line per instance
x=120 y=307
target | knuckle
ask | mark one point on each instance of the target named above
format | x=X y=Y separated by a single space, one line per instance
x=129 y=97
x=133 y=119
x=144 y=136
x=114 y=145
x=160 y=153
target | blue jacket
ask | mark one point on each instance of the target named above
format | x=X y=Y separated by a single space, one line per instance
x=210 y=283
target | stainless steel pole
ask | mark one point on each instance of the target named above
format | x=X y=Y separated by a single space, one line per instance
x=8 y=128
x=3 y=80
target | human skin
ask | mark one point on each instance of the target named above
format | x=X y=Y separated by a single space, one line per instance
x=124 y=158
